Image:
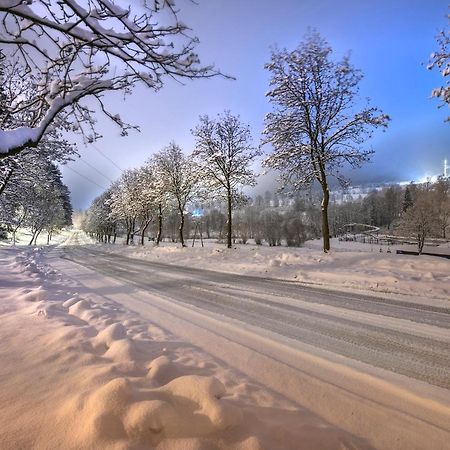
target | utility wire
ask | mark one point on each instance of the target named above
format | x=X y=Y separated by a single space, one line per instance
x=105 y=156
x=85 y=177
x=94 y=168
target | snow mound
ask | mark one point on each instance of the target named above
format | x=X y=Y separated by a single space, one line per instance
x=122 y=350
x=110 y=334
x=163 y=370
x=198 y=399
x=71 y=301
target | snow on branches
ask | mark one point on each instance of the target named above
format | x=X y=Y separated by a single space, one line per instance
x=75 y=49
x=177 y=175
x=441 y=60
x=225 y=153
x=315 y=127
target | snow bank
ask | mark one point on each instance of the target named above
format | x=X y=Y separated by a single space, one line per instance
x=349 y=265
x=82 y=372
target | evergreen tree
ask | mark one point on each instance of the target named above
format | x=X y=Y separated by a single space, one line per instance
x=407 y=199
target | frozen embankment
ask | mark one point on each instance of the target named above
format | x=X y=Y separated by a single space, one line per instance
x=79 y=371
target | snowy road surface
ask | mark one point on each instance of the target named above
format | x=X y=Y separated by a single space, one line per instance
x=407 y=338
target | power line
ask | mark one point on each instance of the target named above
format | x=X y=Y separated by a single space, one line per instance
x=85 y=177
x=105 y=156
x=94 y=168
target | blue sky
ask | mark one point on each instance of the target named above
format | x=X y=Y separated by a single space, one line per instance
x=390 y=41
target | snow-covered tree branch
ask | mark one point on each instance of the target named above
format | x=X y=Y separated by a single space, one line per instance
x=440 y=60
x=73 y=50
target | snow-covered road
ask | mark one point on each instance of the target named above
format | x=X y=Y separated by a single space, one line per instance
x=377 y=367
x=400 y=336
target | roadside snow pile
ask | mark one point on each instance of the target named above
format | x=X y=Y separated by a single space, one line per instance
x=349 y=265
x=82 y=372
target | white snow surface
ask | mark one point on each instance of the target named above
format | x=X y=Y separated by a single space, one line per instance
x=81 y=371
x=17 y=138
x=350 y=265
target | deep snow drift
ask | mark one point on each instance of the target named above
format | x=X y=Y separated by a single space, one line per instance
x=80 y=373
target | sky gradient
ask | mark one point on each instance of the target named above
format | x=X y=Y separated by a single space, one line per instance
x=390 y=41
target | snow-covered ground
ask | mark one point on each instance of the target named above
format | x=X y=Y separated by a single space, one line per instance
x=23 y=237
x=349 y=264
x=81 y=372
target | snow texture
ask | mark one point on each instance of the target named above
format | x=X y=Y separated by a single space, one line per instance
x=84 y=372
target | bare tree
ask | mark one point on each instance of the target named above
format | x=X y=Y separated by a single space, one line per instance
x=440 y=60
x=421 y=219
x=225 y=153
x=124 y=201
x=179 y=177
x=441 y=191
x=314 y=129
x=72 y=49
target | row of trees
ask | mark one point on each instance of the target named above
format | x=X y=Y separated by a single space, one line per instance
x=316 y=127
x=70 y=51
x=415 y=211
x=218 y=169
x=37 y=199
x=253 y=219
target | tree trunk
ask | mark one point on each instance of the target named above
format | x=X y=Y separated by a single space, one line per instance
x=32 y=238
x=180 y=229
x=421 y=242
x=160 y=218
x=324 y=211
x=229 y=221
x=133 y=226
x=37 y=235
x=144 y=229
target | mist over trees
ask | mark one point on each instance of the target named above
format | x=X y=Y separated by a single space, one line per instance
x=413 y=213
